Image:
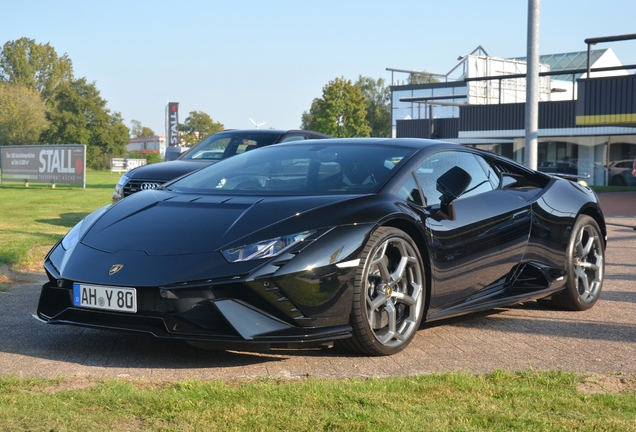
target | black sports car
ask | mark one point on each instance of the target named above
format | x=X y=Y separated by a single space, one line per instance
x=353 y=241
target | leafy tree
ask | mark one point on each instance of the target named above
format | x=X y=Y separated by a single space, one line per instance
x=197 y=126
x=75 y=111
x=378 y=98
x=140 y=131
x=150 y=157
x=79 y=115
x=22 y=115
x=308 y=117
x=422 y=79
x=341 y=111
x=35 y=66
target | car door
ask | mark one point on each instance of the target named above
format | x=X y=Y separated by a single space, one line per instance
x=472 y=255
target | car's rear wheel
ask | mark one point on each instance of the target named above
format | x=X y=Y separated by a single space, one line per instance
x=389 y=294
x=618 y=180
x=585 y=266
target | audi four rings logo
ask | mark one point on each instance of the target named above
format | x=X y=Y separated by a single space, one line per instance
x=147 y=186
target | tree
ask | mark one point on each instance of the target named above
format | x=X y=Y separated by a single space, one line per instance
x=308 y=117
x=35 y=66
x=378 y=98
x=197 y=126
x=139 y=131
x=422 y=79
x=22 y=115
x=79 y=115
x=341 y=112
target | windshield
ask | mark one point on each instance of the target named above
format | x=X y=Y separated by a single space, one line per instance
x=300 y=169
x=223 y=145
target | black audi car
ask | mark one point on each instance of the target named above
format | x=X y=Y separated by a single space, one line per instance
x=353 y=241
x=209 y=151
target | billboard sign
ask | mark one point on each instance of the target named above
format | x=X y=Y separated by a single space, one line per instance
x=173 y=123
x=63 y=164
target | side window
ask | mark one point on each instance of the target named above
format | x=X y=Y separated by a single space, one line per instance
x=328 y=169
x=293 y=138
x=490 y=172
x=435 y=165
x=409 y=191
x=212 y=150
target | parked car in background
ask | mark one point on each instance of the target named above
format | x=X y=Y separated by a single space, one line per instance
x=559 y=167
x=619 y=173
x=214 y=148
x=173 y=152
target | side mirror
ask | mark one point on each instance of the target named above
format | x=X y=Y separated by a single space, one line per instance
x=451 y=185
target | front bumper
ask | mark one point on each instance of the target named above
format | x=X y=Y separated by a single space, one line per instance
x=224 y=321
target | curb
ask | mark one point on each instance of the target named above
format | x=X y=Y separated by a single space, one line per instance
x=15 y=275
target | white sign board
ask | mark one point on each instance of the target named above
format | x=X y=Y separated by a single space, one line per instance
x=62 y=164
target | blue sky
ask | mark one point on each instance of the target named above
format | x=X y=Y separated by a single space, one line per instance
x=267 y=60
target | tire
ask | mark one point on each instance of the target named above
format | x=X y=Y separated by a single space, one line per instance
x=618 y=180
x=389 y=293
x=585 y=262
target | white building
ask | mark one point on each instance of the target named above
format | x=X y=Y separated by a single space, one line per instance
x=155 y=144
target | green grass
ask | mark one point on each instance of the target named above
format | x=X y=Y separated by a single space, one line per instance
x=33 y=219
x=459 y=402
x=600 y=189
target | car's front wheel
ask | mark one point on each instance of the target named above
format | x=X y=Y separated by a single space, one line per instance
x=389 y=294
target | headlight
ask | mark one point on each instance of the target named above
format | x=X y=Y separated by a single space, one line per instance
x=119 y=187
x=72 y=237
x=265 y=248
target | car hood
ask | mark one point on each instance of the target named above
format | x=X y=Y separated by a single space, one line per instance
x=165 y=223
x=166 y=171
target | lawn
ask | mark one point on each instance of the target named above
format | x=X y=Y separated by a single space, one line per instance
x=501 y=401
x=33 y=219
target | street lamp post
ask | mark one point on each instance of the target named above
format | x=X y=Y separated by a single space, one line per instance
x=532 y=86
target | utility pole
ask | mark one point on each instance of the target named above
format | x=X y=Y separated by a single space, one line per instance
x=532 y=85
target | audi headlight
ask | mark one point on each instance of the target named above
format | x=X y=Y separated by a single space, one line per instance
x=72 y=237
x=264 y=249
x=119 y=187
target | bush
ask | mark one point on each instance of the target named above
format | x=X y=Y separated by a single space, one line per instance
x=98 y=163
x=151 y=157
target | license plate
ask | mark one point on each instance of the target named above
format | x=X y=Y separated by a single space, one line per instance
x=105 y=297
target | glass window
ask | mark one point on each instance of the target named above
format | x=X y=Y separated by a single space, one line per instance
x=225 y=144
x=304 y=168
x=409 y=191
x=293 y=138
x=490 y=172
x=436 y=165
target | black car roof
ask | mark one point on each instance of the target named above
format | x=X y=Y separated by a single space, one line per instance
x=416 y=143
x=272 y=131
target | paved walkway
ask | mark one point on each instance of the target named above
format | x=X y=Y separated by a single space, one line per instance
x=523 y=337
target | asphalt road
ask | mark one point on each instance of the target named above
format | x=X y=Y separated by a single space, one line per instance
x=522 y=337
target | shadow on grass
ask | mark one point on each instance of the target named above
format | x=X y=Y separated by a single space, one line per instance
x=68 y=220
x=101 y=186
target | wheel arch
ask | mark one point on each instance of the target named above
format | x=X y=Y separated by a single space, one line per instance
x=596 y=214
